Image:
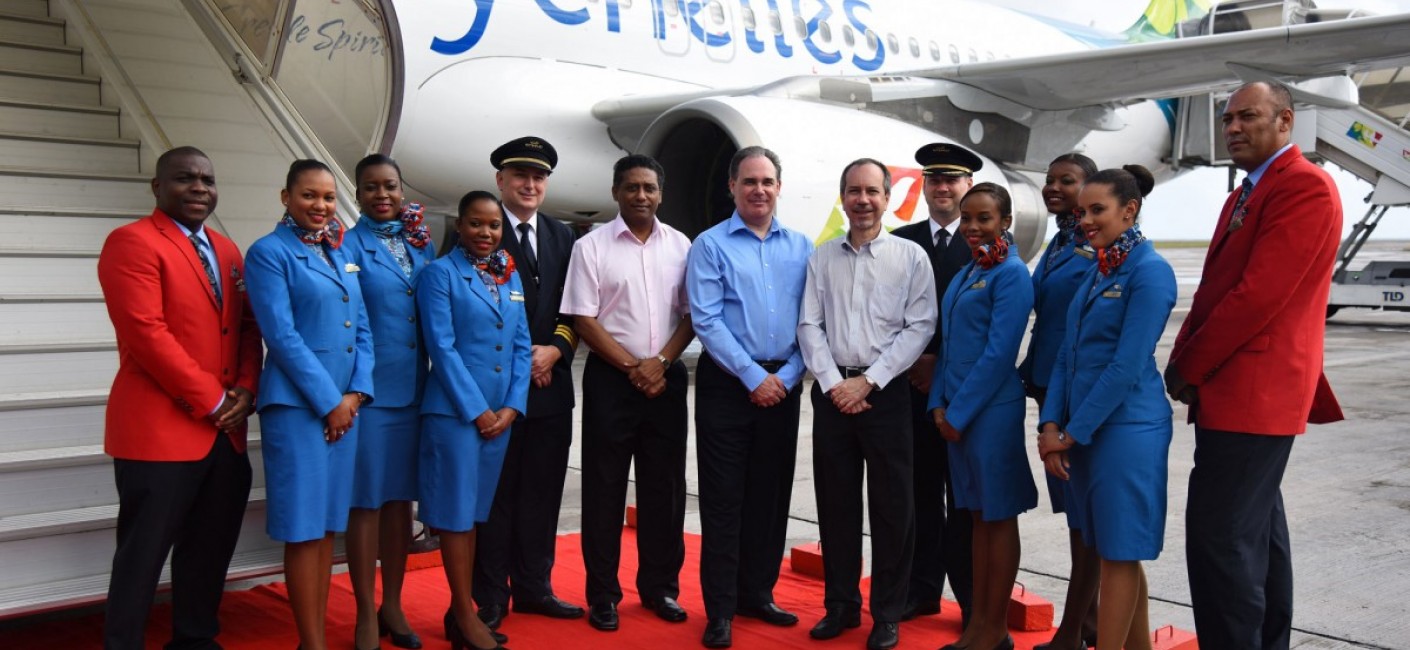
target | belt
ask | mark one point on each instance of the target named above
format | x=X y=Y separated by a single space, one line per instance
x=771 y=366
x=849 y=372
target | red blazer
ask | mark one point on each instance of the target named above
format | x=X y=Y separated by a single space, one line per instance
x=1252 y=342
x=178 y=352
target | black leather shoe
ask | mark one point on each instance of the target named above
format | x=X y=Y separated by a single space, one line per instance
x=603 y=616
x=920 y=608
x=409 y=640
x=667 y=609
x=549 y=606
x=884 y=636
x=1006 y=644
x=717 y=634
x=492 y=615
x=834 y=622
x=769 y=613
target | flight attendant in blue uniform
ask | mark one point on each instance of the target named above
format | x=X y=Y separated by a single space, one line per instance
x=1106 y=422
x=1055 y=279
x=391 y=245
x=471 y=305
x=317 y=374
x=976 y=400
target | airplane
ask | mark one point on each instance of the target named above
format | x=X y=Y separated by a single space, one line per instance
x=826 y=81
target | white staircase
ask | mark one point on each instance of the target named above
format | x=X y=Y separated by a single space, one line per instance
x=68 y=177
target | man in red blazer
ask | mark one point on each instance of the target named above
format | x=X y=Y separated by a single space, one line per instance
x=1248 y=361
x=189 y=354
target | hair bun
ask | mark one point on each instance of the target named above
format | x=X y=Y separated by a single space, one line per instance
x=1145 y=181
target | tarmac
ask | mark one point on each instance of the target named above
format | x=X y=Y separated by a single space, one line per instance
x=1346 y=490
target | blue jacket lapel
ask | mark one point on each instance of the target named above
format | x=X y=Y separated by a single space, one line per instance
x=472 y=278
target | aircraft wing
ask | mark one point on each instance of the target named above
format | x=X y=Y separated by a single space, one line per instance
x=1188 y=66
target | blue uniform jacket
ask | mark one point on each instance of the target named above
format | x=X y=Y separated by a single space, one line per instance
x=400 y=370
x=1055 y=281
x=479 y=350
x=983 y=316
x=314 y=324
x=1105 y=372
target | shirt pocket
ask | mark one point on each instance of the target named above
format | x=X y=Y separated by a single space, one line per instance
x=885 y=308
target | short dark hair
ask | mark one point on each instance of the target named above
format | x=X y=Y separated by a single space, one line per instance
x=299 y=168
x=885 y=174
x=374 y=160
x=752 y=152
x=638 y=161
x=1001 y=196
x=1130 y=183
x=1084 y=163
x=471 y=197
x=172 y=154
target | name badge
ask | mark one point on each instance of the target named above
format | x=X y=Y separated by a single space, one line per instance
x=351 y=268
x=515 y=296
x=1084 y=253
x=977 y=285
x=1115 y=293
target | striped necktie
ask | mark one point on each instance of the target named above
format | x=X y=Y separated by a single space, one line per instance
x=206 y=264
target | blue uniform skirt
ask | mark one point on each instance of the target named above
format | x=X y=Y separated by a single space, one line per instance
x=387 y=446
x=1060 y=494
x=1119 y=481
x=308 y=481
x=458 y=474
x=989 y=465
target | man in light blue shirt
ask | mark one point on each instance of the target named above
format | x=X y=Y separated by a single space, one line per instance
x=745 y=283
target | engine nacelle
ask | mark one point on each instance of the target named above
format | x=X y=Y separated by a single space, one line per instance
x=695 y=141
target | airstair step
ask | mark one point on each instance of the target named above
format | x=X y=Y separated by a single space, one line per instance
x=74 y=233
x=65 y=426
x=75 y=120
x=67 y=153
x=48 y=87
x=31 y=29
x=54 y=190
x=34 y=57
x=38 y=8
x=32 y=323
x=42 y=372
x=48 y=276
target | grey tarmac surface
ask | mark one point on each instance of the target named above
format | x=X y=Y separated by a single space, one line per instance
x=1347 y=489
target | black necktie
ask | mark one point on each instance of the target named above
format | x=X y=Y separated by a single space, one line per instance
x=1245 y=189
x=942 y=240
x=530 y=260
x=206 y=264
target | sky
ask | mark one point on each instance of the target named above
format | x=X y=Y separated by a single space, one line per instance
x=1187 y=207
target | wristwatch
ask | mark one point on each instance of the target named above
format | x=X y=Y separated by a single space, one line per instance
x=1062 y=436
x=872 y=382
x=665 y=363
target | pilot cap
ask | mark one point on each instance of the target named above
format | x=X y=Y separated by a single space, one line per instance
x=943 y=159
x=528 y=151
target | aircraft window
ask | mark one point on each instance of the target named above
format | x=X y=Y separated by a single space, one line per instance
x=717 y=13
x=973 y=56
x=915 y=47
x=825 y=31
x=775 y=21
x=872 y=40
x=892 y=43
x=749 y=22
x=954 y=54
x=934 y=50
x=848 y=36
x=798 y=25
x=672 y=9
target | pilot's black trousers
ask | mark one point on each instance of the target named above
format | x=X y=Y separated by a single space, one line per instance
x=944 y=535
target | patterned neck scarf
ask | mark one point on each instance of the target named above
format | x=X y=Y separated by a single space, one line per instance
x=992 y=253
x=412 y=227
x=331 y=235
x=1069 y=232
x=493 y=270
x=386 y=232
x=1109 y=259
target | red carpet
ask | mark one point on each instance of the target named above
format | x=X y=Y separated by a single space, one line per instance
x=259 y=618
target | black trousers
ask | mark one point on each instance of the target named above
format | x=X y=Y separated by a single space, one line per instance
x=514 y=550
x=619 y=424
x=877 y=442
x=192 y=509
x=744 y=457
x=944 y=535
x=1236 y=541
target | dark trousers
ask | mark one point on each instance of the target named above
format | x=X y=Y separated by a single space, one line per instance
x=943 y=534
x=744 y=456
x=877 y=442
x=619 y=423
x=192 y=509
x=515 y=549
x=1236 y=541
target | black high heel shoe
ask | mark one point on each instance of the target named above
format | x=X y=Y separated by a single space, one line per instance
x=410 y=640
x=457 y=638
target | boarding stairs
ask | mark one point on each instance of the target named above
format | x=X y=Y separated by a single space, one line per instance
x=71 y=171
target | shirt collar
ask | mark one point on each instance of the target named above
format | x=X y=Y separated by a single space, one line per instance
x=187 y=232
x=736 y=224
x=1257 y=174
x=869 y=247
x=514 y=221
x=949 y=230
x=618 y=228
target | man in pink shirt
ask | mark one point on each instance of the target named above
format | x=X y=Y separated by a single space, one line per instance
x=626 y=292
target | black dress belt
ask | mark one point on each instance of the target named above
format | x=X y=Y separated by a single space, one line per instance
x=771 y=366
x=849 y=372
